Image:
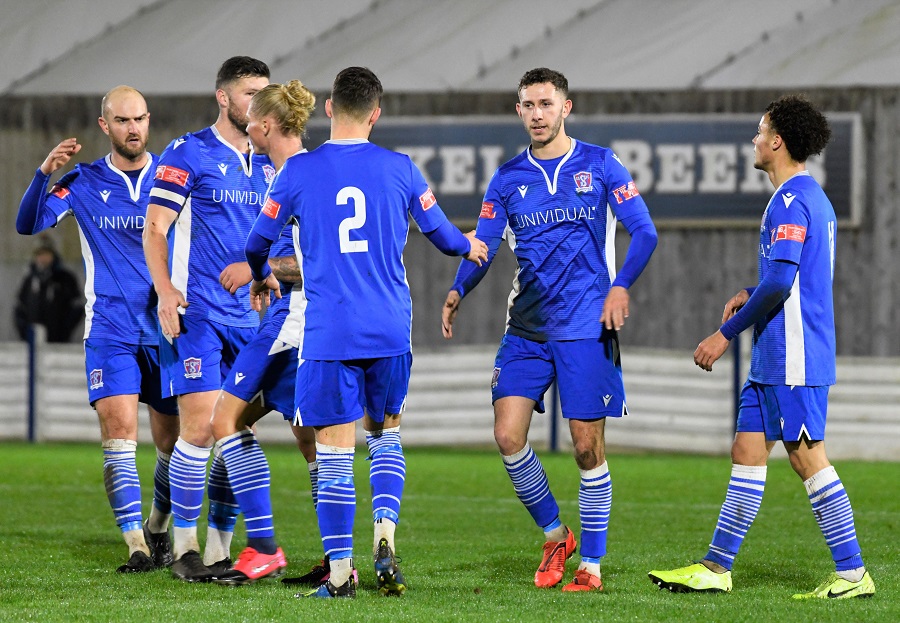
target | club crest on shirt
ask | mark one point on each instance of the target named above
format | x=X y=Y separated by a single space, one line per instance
x=269 y=172
x=96 y=378
x=583 y=182
x=192 y=368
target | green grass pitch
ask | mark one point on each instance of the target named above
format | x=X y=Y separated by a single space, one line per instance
x=469 y=549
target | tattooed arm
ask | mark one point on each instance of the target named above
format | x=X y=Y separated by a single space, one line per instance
x=286 y=269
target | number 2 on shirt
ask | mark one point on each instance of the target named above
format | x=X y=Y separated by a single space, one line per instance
x=352 y=222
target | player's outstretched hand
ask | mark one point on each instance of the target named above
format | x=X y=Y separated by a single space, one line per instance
x=448 y=313
x=259 y=290
x=709 y=350
x=479 y=251
x=170 y=304
x=235 y=276
x=60 y=155
x=615 y=308
x=734 y=304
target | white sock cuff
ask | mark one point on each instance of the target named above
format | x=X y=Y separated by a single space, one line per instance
x=820 y=479
x=598 y=472
x=120 y=445
x=379 y=433
x=163 y=456
x=313 y=466
x=512 y=458
x=321 y=448
x=195 y=452
x=749 y=472
x=217 y=447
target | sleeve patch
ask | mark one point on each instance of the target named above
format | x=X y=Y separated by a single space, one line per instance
x=797 y=233
x=171 y=174
x=60 y=191
x=626 y=192
x=271 y=208
x=487 y=210
x=427 y=199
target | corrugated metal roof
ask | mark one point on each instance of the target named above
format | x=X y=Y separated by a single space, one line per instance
x=176 y=46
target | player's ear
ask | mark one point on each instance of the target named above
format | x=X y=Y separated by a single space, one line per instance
x=375 y=115
x=567 y=108
x=222 y=98
x=328 y=112
x=103 y=125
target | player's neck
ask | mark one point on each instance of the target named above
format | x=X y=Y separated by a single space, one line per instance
x=349 y=130
x=559 y=146
x=780 y=174
x=237 y=138
x=283 y=149
x=126 y=164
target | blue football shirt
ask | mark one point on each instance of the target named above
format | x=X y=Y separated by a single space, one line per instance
x=561 y=225
x=285 y=318
x=217 y=192
x=110 y=209
x=795 y=343
x=352 y=201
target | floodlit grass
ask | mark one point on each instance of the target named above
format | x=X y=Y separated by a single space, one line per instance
x=469 y=549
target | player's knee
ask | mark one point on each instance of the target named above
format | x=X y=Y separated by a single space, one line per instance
x=746 y=453
x=166 y=443
x=739 y=456
x=806 y=464
x=117 y=424
x=165 y=430
x=219 y=427
x=306 y=442
x=801 y=465
x=509 y=442
x=589 y=457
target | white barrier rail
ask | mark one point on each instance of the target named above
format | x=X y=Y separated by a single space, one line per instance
x=673 y=406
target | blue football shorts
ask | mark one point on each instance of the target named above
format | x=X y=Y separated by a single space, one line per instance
x=114 y=368
x=265 y=370
x=337 y=392
x=200 y=358
x=784 y=412
x=588 y=373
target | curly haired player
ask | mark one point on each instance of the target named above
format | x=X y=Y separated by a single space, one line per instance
x=793 y=364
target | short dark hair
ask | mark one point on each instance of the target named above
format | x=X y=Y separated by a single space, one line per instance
x=542 y=75
x=356 y=91
x=803 y=128
x=45 y=247
x=238 y=67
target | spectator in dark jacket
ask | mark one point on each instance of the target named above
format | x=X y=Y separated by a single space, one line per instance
x=49 y=296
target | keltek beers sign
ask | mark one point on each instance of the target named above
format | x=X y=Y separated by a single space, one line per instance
x=690 y=169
